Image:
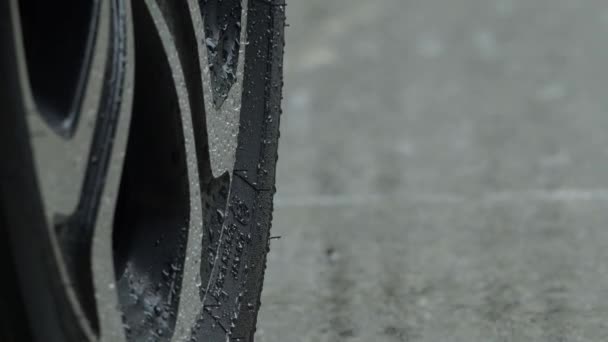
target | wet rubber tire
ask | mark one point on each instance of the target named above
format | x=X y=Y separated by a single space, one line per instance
x=137 y=167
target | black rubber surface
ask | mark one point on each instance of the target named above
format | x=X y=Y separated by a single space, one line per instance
x=232 y=296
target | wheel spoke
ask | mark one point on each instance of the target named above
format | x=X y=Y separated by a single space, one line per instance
x=104 y=275
x=59 y=41
x=159 y=219
x=222 y=58
x=57 y=154
x=222 y=21
x=73 y=134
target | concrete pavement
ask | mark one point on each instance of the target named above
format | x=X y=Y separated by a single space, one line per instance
x=443 y=173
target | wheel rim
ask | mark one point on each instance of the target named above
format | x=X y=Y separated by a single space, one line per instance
x=85 y=132
x=140 y=214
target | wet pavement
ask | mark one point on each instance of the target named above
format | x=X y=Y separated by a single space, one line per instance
x=443 y=173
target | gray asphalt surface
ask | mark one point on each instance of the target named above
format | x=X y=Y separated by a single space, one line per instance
x=443 y=173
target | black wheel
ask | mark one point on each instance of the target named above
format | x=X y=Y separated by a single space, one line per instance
x=138 y=144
